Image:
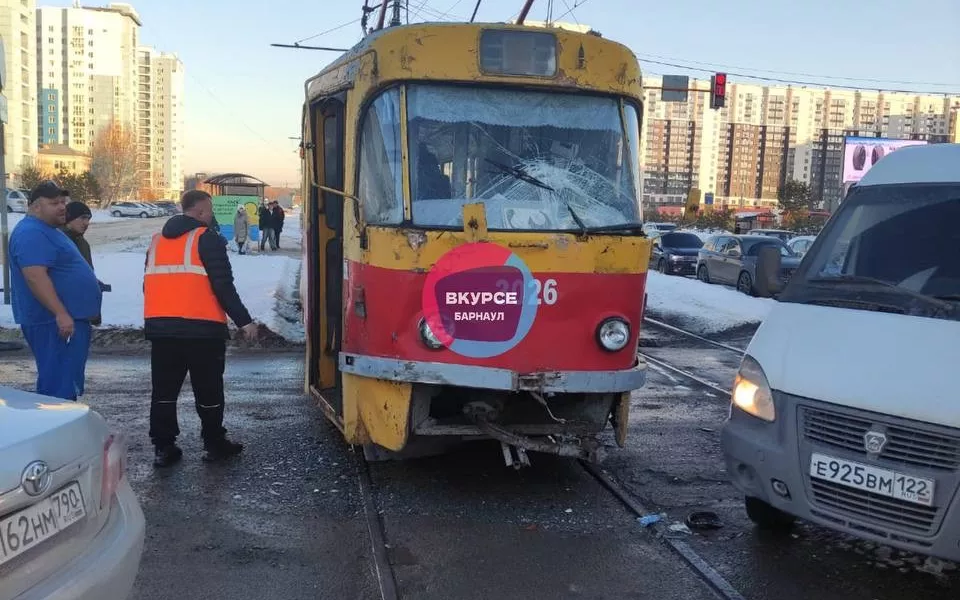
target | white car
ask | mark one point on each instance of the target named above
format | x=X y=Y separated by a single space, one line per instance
x=801 y=244
x=129 y=209
x=71 y=527
x=16 y=201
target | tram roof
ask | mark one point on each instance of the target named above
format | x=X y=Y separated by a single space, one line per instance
x=436 y=51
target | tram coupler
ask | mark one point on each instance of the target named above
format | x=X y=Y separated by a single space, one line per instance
x=521 y=460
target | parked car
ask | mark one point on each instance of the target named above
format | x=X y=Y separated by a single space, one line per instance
x=168 y=206
x=675 y=252
x=70 y=525
x=781 y=234
x=129 y=209
x=732 y=260
x=16 y=201
x=801 y=244
x=650 y=229
x=152 y=209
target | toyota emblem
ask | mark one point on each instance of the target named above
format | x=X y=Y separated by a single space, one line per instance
x=874 y=441
x=36 y=478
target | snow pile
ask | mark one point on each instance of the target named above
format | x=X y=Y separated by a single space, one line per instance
x=704 y=234
x=99 y=216
x=702 y=307
x=264 y=281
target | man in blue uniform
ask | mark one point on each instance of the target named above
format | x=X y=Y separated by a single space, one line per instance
x=55 y=293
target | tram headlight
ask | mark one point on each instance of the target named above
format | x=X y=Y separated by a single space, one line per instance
x=428 y=337
x=613 y=334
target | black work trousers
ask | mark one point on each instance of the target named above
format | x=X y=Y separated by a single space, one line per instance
x=170 y=361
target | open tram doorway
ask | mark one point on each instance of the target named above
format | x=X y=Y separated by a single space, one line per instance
x=324 y=254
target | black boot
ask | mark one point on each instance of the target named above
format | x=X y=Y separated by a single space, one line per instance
x=221 y=449
x=165 y=456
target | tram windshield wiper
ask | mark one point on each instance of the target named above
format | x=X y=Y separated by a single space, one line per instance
x=938 y=302
x=521 y=174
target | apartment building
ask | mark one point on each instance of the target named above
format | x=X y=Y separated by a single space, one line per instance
x=87 y=71
x=160 y=128
x=18 y=31
x=766 y=135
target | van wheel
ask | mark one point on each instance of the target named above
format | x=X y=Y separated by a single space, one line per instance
x=768 y=517
x=745 y=283
x=662 y=266
x=702 y=274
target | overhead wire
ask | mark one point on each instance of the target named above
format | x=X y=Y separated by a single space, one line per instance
x=801 y=82
x=798 y=74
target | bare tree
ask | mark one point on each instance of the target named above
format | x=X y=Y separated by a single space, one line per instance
x=114 y=162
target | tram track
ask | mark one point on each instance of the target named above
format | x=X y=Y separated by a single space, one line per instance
x=383 y=569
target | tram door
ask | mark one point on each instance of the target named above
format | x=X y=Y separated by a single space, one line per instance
x=326 y=252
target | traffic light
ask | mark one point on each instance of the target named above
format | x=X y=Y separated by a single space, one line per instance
x=718 y=90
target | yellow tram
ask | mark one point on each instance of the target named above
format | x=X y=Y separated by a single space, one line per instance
x=474 y=264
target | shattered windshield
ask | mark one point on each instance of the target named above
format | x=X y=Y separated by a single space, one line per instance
x=538 y=161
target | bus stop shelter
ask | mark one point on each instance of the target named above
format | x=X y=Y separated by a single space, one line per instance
x=230 y=190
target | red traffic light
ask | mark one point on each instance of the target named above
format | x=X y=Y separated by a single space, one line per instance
x=718 y=92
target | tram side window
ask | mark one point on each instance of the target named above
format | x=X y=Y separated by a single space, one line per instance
x=381 y=182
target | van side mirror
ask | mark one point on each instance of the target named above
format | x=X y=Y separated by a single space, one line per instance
x=768 y=271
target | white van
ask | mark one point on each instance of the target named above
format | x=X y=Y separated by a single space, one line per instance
x=846 y=409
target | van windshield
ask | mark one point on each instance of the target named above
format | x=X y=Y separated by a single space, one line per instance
x=892 y=248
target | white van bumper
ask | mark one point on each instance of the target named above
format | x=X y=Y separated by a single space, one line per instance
x=772 y=462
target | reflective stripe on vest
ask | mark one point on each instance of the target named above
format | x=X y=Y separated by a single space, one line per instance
x=179 y=287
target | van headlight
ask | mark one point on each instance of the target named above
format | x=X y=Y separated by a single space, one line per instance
x=751 y=391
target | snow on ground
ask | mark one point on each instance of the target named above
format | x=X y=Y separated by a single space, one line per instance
x=262 y=280
x=703 y=308
x=704 y=234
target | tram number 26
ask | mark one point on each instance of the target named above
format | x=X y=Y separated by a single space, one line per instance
x=544 y=291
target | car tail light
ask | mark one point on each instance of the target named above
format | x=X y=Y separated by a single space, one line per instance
x=114 y=467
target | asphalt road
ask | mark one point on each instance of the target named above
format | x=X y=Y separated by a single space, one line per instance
x=285 y=520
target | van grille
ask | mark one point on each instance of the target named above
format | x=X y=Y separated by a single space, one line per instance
x=906 y=445
x=875 y=508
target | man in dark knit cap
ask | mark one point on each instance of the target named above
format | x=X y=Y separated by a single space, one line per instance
x=78 y=220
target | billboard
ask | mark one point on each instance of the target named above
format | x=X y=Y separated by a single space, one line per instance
x=861 y=153
x=224 y=209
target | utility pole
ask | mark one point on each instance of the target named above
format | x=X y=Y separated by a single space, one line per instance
x=4 y=233
x=395 y=20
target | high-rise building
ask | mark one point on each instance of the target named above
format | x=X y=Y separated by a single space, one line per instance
x=160 y=122
x=767 y=135
x=18 y=31
x=86 y=71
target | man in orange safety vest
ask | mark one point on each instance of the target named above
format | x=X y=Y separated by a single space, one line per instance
x=188 y=291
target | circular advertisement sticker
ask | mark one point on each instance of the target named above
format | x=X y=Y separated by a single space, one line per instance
x=480 y=300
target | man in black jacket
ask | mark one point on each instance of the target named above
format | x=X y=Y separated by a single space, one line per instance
x=185 y=321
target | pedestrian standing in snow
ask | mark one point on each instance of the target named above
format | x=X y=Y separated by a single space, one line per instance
x=278 y=216
x=188 y=292
x=78 y=221
x=55 y=294
x=266 y=226
x=241 y=228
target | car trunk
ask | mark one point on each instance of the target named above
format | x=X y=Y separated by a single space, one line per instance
x=69 y=438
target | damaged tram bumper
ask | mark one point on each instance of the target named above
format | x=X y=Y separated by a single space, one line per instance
x=554 y=412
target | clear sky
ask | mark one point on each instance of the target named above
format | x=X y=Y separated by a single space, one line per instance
x=244 y=97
